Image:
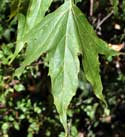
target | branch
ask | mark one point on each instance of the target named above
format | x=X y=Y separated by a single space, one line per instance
x=104 y=19
x=91 y=7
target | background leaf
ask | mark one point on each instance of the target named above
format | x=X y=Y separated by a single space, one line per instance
x=18 y=6
x=115 y=6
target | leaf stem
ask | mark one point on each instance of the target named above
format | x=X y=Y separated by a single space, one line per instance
x=68 y=0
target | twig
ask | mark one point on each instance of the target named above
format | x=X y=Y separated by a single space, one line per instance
x=91 y=7
x=104 y=19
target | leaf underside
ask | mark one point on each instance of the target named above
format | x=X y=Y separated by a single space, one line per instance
x=63 y=35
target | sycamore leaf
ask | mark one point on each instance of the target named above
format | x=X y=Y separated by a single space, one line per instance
x=35 y=14
x=63 y=35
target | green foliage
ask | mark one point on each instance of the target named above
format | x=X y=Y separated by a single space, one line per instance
x=63 y=36
x=115 y=6
x=26 y=103
x=34 y=16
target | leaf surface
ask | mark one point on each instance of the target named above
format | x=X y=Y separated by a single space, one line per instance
x=115 y=6
x=63 y=35
x=35 y=14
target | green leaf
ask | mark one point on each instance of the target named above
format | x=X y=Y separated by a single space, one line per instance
x=35 y=14
x=115 y=6
x=19 y=87
x=63 y=36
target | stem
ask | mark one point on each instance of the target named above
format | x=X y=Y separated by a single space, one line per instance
x=104 y=19
x=91 y=7
x=68 y=0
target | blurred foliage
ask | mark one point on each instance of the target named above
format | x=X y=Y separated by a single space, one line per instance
x=26 y=104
